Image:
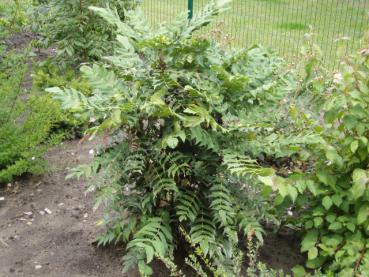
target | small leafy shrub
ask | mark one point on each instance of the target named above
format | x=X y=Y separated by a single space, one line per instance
x=26 y=121
x=80 y=35
x=47 y=74
x=13 y=16
x=331 y=197
x=171 y=109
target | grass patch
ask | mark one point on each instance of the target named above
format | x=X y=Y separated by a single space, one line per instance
x=255 y=21
x=293 y=26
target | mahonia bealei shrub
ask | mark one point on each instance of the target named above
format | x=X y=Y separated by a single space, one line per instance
x=169 y=106
x=80 y=35
x=26 y=121
x=331 y=198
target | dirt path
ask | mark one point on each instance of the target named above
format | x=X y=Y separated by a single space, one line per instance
x=59 y=243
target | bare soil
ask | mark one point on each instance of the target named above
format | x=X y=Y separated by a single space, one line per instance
x=18 y=40
x=61 y=242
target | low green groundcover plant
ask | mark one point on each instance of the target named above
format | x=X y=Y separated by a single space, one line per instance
x=26 y=121
x=172 y=110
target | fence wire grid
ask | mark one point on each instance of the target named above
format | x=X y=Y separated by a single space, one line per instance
x=279 y=24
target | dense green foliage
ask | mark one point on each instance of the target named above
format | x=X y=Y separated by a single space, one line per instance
x=202 y=146
x=26 y=121
x=47 y=74
x=30 y=120
x=331 y=197
x=13 y=16
x=171 y=105
x=80 y=34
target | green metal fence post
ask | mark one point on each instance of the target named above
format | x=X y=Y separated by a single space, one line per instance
x=190 y=9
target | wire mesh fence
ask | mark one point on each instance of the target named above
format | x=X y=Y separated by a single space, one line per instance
x=279 y=24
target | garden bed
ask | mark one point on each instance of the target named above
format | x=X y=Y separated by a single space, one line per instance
x=62 y=242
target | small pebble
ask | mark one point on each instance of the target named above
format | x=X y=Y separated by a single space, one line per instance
x=47 y=211
x=2 y=198
x=75 y=214
x=38 y=266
